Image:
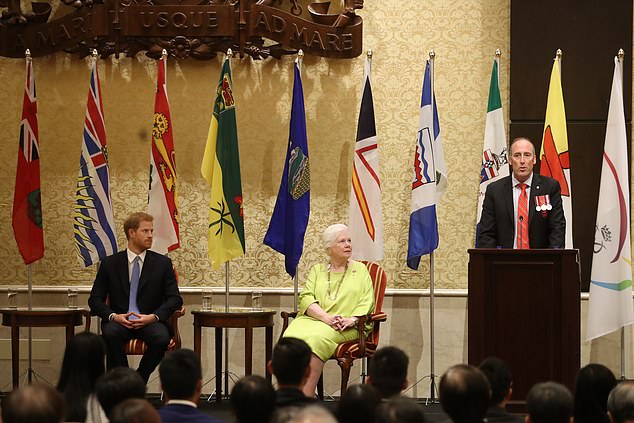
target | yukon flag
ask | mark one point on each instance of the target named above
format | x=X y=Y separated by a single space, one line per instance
x=494 y=155
x=430 y=178
x=162 y=196
x=555 y=160
x=221 y=170
x=610 y=306
x=366 y=217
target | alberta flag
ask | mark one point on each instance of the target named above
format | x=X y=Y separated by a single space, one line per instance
x=292 y=207
x=93 y=218
x=430 y=178
x=494 y=154
x=610 y=306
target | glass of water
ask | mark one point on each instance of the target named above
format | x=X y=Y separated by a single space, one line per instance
x=12 y=297
x=72 y=297
x=256 y=300
x=207 y=296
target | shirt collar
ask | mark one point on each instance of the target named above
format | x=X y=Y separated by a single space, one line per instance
x=132 y=256
x=528 y=182
x=182 y=402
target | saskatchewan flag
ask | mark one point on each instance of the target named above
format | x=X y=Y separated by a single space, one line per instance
x=221 y=170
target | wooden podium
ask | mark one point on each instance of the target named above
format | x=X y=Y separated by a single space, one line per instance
x=524 y=308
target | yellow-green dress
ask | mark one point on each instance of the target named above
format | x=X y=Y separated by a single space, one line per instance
x=351 y=296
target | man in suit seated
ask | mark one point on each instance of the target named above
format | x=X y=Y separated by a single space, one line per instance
x=500 y=379
x=290 y=364
x=549 y=402
x=524 y=209
x=181 y=381
x=134 y=294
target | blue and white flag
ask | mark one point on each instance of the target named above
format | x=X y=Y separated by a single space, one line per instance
x=93 y=217
x=430 y=178
x=292 y=208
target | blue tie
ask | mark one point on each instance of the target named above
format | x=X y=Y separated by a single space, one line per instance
x=134 y=287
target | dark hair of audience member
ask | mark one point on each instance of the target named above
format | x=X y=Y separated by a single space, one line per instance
x=252 y=400
x=549 y=402
x=358 y=404
x=35 y=403
x=593 y=385
x=388 y=370
x=291 y=357
x=464 y=393
x=621 y=402
x=82 y=365
x=117 y=385
x=134 y=410
x=398 y=410
x=499 y=376
x=180 y=371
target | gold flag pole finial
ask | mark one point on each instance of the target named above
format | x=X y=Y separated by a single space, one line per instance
x=27 y=53
x=559 y=54
x=620 y=54
x=498 y=53
x=300 y=59
x=229 y=53
x=164 y=54
x=432 y=54
x=94 y=53
x=369 y=54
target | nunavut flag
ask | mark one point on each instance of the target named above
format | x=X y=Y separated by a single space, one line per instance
x=221 y=170
x=555 y=160
x=27 y=205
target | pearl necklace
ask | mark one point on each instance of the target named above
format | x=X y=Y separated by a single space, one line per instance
x=330 y=297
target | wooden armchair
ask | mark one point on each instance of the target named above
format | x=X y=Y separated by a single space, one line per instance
x=365 y=346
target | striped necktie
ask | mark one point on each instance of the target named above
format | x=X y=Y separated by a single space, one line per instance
x=522 y=219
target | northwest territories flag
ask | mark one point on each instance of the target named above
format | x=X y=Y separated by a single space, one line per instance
x=430 y=178
x=93 y=217
x=610 y=306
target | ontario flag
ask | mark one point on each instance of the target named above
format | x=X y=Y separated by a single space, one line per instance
x=610 y=306
x=27 y=204
x=555 y=160
x=93 y=227
x=366 y=216
x=162 y=196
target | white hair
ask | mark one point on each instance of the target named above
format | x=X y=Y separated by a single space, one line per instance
x=314 y=414
x=331 y=233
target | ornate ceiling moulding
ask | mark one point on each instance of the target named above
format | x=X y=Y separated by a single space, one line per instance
x=185 y=28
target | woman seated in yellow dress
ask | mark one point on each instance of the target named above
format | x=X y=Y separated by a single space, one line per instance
x=333 y=295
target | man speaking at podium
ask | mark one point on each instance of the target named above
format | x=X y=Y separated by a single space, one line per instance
x=524 y=209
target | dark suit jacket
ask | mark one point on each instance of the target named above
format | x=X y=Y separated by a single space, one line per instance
x=158 y=292
x=180 y=413
x=292 y=397
x=496 y=414
x=497 y=224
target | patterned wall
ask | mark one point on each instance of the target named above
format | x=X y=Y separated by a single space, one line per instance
x=464 y=35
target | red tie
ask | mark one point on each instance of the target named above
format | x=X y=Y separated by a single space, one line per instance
x=522 y=219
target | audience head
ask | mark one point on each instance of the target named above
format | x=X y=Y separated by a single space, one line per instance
x=387 y=371
x=464 y=393
x=399 y=410
x=252 y=400
x=593 y=385
x=549 y=402
x=181 y=375
x=290 y=361
x=314 y=414
x=500 y=380
x=82 y=365
x=118 y=385
x=134 y=410
x=358 y=404
x=621 y=403
x=35 y=403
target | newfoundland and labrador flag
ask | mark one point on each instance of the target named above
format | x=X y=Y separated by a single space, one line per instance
x=610 y=306
x=162 y=196
x=292 y=207
x=27 y=205
x=430 y=178
x=93 y=217
x=221 y=170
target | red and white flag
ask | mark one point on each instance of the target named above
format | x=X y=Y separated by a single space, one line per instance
x=27 y=204
x=162 y=196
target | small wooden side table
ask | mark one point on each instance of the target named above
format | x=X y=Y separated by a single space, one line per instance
x=41 y=317
x=236 y=317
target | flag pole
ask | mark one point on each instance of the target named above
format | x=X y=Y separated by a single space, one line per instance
x=558 y=55
x=621 y=55
x=226 y=340
x=300 y=61
x=432 y=376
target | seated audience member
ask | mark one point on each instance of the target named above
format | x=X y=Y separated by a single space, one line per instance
x=82 y=365
x=358 y=404
x=549 y=402
x=621 y=403
x=290 y=366
x=252 y=400
x=134 y=410
x=464 y=394
x=118 y=385
x=314 y=414
x=399 y=410
x=387 y=371
x=593 y=385
x=500 y=379
x=181 y=381
x=35 y=403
